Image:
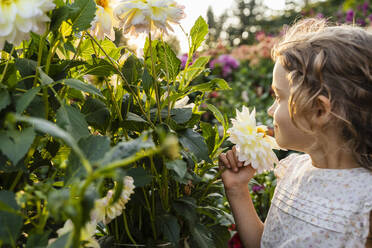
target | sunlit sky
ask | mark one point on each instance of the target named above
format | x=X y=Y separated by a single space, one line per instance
x=196 y=8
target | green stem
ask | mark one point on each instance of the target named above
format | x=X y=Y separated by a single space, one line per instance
x=168 y=81
x=19 y=175
x=152 y=220
x=6 y=65
x=39 y=56
x=122 y=76
x=165 y=187
x=157 y=97
x=78 y=46
x=127 y=228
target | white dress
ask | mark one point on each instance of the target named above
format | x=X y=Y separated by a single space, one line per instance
x=314 y=207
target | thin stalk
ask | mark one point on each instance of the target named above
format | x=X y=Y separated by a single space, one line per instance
x=150 y=213
x=40 y=55
x=124 y=79
x=127 y=228
x=78 y=46
x=165 y=187
x=6 y=65
x=157 y=97
x=19 y=175
x=168 y=81
x=189 y=56
x=116 y=230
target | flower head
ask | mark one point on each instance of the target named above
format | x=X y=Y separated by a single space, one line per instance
x=253 y=145
x=103 y=22
x=137 y=16
x=20 y=17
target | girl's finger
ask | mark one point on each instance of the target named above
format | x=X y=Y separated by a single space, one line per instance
x=223 y=161
x=238 y=163
x=231 y=157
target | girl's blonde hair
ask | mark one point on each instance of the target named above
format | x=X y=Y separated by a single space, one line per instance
x=336 y=62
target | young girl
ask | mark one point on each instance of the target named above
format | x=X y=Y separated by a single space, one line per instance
x=323 y=108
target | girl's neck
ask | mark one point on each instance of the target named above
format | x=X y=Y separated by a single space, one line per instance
x=333 y=157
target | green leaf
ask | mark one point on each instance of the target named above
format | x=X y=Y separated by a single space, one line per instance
x=196 y=68
x=170 y=228
x=83 y=14
x=198 y=33
x=128 y=148
x=58 y=16
x=131 y=69
x=216 y=113
x=26 y=67
x=102 y=68
x=181 y=115
x=4 y=99
x=169 y=61
x=70 y=119
x=50 y=128
x=79 y=85
x=215 y=84
x=44 y=78
x=11 y=222
x=96 y=113
x=26 y=99
x=140 y=176
x=38 y=240
x=186 y=207
x=194 y=143
x=61 y=242
x=209 y=135
x=178 y=166
x=94 y=148
x=147 y=81
x=221 y=236
x=15 y=144
x=201 y=236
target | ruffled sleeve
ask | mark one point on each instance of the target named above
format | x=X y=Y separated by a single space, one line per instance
x=283 y=165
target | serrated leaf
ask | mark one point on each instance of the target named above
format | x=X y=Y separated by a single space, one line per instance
x=131 y=70
x=169 y=61
x=11 y=222
x=44 y=78
x=15 y=144
x=82 y=14
x=178 y=166
x=216 y=114
x=209 y=135
x=186 y=207
x=94 y=148
x=196 y=68
x=26 y=99
x=170 y=228
x=198 y=33
x=4 y=99
x=50 y=128
x=58 y=16
x=79 y=85
x=140 y=176
x=102 y=68
x=215 y=84
x=194 y=143
x=147 y=81
x=201 y=236
x=181 y=115
x=73 y=121
x=128 y=148
x=96 y=113
x=221 y=236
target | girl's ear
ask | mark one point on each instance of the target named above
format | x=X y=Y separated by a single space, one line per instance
x=322 y=111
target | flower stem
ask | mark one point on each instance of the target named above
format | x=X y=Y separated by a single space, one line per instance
x=124 y=79
x=157 y=97
x=127 y=228
x=6 y=65
x=150 y=214
x=40 y=55
x=168 y=81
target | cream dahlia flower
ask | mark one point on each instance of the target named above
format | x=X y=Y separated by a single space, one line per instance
x=253 y=145
x=103 y=22
x=19 y=17
x=104 y=211
x=138 y=16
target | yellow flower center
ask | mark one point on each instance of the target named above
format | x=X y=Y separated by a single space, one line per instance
x=261 y=130
x=7 y=2
x=103 y=3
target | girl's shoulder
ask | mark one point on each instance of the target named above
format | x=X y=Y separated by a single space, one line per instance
x=286 y=164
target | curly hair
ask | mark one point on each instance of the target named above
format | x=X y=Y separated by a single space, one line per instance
x=336 y=62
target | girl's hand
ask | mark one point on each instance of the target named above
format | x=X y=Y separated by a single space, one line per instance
x=235 y=175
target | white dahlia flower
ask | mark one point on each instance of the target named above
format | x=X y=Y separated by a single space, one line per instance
x=104 y=211
x=138 y=16
x=253 y=145
x=20 y=17
x=103 y=22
